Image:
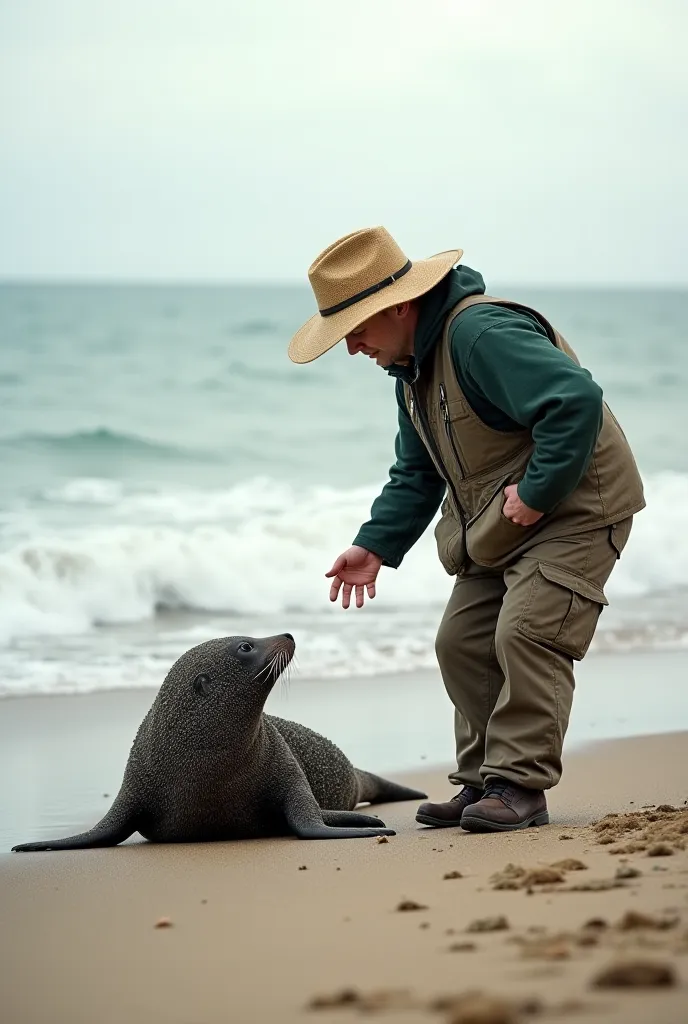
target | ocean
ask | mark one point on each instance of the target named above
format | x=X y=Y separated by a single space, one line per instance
x=167 y=476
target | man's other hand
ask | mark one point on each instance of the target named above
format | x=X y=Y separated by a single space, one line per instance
x=516 y=511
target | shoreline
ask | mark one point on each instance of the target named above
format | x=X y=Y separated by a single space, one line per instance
x=60 y=753
x=596 y=656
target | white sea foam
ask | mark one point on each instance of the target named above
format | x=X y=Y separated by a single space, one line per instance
x=254 y=556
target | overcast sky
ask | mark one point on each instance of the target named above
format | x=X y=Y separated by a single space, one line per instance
x=226 y=140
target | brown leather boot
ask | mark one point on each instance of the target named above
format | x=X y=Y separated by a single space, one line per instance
x=505 y=807
x=449 y=813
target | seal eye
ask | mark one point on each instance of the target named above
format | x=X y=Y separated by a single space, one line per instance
x=245 y=648
x=202 y=684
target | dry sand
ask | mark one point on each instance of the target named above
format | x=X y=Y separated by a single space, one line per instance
x=247 y=935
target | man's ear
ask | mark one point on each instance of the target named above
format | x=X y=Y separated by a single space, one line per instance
x=402 y=309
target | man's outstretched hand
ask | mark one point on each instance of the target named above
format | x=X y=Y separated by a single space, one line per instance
x=356 y=567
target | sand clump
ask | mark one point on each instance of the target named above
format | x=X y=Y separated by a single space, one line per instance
x=407 y=905
x=371 y=1002
x=627 y=871
x=498 y=923
x=596 y=885
x=636 y=974
x=513 y=876
x=662 y=850
x=632 y=929
x=569 y=864
x=633 y=920
x=547 y=948
x=472 y=1007
x=558 y=945
x=599 y=923
x=658 y=831
x=477 y=1008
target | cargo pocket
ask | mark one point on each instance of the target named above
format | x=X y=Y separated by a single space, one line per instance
x=619 y=534
x=562 y=610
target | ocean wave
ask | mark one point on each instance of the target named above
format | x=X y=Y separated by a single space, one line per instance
x=391 y=646
x=100 y=440
x=262 y=548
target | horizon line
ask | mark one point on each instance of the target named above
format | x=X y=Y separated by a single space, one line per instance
x=212 y=282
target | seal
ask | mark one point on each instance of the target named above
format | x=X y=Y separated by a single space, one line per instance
x=208 y=764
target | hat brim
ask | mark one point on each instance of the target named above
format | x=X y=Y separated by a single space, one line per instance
x=321 y=333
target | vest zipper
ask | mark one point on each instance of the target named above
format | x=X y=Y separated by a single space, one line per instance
x=430 y=441
x=444 y=408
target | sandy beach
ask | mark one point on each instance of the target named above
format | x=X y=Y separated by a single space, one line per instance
x=255 y=931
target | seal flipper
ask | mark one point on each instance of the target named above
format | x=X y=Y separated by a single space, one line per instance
x=306 y=820
x=345 y=819
x=119 y=823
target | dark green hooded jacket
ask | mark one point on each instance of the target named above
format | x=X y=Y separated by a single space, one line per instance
x=513 y=377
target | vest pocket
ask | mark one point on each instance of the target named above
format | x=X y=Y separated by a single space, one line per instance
x=562 y=610
x=491 y=538
x=450 y=541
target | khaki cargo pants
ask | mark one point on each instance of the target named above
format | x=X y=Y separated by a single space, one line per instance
x=506 y=647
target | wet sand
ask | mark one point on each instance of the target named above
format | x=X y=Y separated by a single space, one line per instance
x=60 y=754
x=258 y=929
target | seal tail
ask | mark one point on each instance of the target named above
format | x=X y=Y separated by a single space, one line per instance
x=375 y=790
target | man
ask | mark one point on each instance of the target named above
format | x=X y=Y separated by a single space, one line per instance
x=496 y=417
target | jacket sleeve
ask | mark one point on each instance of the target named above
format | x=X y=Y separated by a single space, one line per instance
x=518 y=369
x=408 y=501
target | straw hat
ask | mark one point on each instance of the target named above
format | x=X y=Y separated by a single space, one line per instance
x=354 y=278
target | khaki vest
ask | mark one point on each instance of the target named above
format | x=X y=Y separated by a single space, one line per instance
x=478 y=462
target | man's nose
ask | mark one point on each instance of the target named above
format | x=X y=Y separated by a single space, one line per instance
x=353 y=346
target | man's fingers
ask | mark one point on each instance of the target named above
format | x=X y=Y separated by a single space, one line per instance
x=359 y=595
x=335 y=588
x=339 y=564
x=371 y=589
x=346 y=595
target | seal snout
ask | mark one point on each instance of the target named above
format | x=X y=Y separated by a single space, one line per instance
x=277 y=653
x=285 y=645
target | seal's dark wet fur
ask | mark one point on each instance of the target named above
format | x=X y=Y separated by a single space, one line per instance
x=208 y=764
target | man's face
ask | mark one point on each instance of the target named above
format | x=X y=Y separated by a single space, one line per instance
x=384 y=337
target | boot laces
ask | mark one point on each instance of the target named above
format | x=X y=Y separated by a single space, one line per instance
x=465 y=791
x=497 y=788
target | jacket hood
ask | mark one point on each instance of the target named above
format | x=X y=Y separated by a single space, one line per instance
x=434 y=309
